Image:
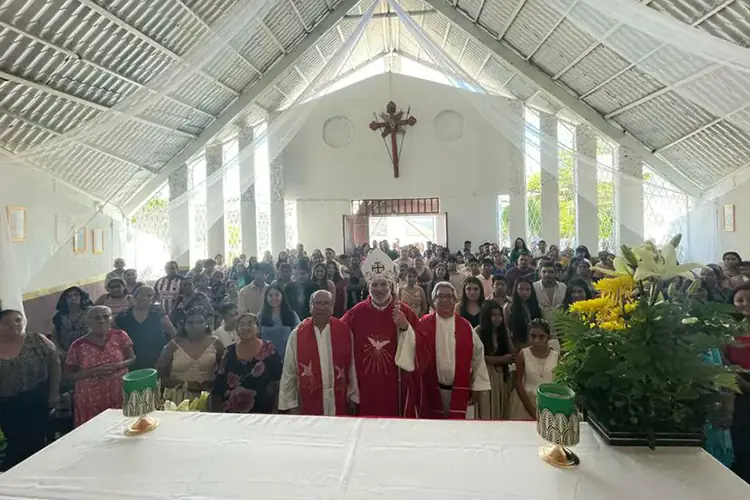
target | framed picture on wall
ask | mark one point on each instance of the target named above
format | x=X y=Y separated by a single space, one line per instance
x=17 y=223
x=80 y=240
x=97 y=240
x=729 y=218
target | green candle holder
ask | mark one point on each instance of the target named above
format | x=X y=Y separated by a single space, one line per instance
x=557 y=423
x=140 y=394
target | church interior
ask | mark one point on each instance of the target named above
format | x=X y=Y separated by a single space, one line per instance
x=253 y=133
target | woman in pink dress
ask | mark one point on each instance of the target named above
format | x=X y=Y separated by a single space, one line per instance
x=96 y=363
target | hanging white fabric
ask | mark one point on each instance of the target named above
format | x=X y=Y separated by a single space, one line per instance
x=11 y=288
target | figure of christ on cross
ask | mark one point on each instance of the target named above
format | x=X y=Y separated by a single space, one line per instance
x=393 y=123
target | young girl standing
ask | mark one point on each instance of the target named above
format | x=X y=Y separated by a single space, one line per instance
x=534 y=366
x=498 y=354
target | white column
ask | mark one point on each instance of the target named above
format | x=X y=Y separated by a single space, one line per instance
x=215 y=200
x=587 y=218
x=276 y=174
x=179 y=217
x=628 y=198
x=550 y=183
x=248 y=217
x=517 y=173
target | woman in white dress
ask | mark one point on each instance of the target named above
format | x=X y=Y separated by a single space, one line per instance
x=534 y=366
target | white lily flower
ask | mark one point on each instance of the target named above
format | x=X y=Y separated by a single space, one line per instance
x=622 y=268
x=660 y=263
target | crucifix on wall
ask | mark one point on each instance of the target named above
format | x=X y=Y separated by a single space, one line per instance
x=393 y=124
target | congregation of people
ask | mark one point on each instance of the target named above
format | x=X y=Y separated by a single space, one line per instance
x=414 y=331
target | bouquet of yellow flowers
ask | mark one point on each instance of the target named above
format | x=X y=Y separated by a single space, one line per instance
x=635 y=353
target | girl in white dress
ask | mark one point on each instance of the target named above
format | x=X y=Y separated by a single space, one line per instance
x=534 y=366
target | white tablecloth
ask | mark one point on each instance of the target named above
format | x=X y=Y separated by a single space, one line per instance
x=211 y=456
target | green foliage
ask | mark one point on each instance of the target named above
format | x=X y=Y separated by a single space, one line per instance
x=567 y=189
x=234 y=241
x=154 y=205
x=652 y=376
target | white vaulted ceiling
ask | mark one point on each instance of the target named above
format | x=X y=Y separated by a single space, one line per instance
x=69 y=66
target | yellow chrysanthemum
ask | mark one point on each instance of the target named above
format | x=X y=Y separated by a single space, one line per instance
x=613 y=325
x=621 y=286
x=630 y=307
x=590 y=306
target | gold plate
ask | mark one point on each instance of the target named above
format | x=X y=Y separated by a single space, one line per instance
x=559 y=456
x=132 y=430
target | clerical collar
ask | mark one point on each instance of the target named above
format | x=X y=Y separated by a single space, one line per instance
x=381 y=308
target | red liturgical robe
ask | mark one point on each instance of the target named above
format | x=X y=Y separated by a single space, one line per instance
x=431 y=402
x=308 y=363
x=375 y=337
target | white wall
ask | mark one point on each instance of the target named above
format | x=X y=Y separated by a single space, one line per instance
x=46 y=259
x=467 y=174
x=739 y=240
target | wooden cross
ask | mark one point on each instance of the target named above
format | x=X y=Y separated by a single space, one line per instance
x=393 y=123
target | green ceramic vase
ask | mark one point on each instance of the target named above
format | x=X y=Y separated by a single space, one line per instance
x=557 y=417
x=140 y=389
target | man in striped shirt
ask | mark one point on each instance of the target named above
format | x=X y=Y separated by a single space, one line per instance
x=167 y=288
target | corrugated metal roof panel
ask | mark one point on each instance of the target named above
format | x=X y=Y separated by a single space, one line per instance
x=283 y=23
x=470 y=7
x=563 y=45
x=496 y=14
x=533 y=23
x=663 y=119
x=626 y=88
x=258 y=47
x=721 y=92
x=595 y=68
x=711 y=155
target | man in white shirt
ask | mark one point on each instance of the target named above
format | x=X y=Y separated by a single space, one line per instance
x=541 y=250
x=448 y=356
x=318 y=377
x=486 y=277
x=250 y=299
x=550 y=294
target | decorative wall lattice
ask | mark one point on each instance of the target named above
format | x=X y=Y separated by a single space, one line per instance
x=290 y=217
x=150 y=234
x=665 y=211
x=263 y=211
x=197 y=209
x=566 y=181
x=232 y=231
x=503 y=215
x=605 y=198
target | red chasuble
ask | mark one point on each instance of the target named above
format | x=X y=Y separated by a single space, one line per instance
x=431 y=404
x=308 y=364
x=375 y=340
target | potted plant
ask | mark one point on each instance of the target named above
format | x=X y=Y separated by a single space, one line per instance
x=635 y=355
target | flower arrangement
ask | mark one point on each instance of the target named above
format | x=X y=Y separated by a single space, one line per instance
x=635 y=354
x=179 y=394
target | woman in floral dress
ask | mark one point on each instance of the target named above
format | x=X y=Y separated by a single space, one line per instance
x=247 y=380
x=96 y=363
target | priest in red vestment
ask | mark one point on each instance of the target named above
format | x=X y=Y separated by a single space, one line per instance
x=318 y=377
x=378 y=326
x=448 y=358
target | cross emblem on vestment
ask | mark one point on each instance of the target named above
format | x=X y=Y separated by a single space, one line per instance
x=378 y=268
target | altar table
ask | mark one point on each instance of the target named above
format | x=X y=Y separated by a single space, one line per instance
x=201 y=456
